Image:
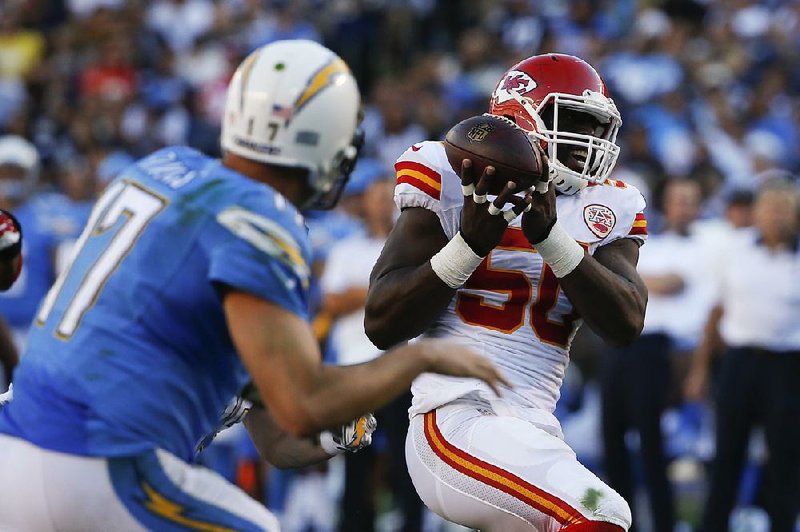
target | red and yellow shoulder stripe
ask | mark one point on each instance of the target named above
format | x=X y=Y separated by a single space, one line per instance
x=639 y=227
x=419 y=176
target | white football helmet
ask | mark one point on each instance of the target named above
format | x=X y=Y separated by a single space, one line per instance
x=17 y=152
x=295 y=103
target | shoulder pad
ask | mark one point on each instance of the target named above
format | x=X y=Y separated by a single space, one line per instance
x=612 y=211
x=426 y=179
x=420 y=168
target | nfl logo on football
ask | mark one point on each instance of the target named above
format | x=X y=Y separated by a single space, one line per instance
x=479 y=132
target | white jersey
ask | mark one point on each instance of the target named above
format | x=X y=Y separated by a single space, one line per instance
x=511 y=308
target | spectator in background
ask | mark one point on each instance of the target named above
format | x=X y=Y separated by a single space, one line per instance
x=642 y=71
x=757 y=320
x=522 y=29
x=739 y=209
x=180 y=22
x=389 y=123
x=85 y=8
x=206 y=63
x=344 y=285
x=21 y=49
x=638 y=158
x=637 y=380
x=346 y=276
x=717 y=232
x=112 y=77
x=285 y=22
x=476 y=75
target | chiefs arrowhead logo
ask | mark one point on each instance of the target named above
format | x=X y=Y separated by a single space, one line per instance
x=599 y=219
x=514 y=81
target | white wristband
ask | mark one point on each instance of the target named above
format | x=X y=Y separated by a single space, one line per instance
x=455 y=262
x=328 y=444
x=560 y=251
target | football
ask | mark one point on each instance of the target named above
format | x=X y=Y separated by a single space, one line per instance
x=494 y=141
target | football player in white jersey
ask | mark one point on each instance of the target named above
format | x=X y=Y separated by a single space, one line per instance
x=455 y=266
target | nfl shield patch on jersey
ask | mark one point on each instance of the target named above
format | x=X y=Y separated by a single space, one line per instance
x=599 y=219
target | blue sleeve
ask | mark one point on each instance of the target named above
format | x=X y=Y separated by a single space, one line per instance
x=264 y=252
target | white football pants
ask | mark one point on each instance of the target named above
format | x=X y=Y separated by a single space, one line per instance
x=503 y=472
x=42 y=490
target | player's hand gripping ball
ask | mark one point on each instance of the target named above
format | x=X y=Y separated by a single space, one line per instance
x=10 y=250
x=490 y=140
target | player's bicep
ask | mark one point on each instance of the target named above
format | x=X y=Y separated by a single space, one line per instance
x=279 y=350
x=621 y=257
x=415 y=238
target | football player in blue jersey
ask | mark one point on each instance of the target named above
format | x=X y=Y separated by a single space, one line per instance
x=189 y=280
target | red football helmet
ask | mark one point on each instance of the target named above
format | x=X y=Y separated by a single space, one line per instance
x=544 y=84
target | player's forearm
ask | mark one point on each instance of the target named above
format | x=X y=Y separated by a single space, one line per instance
x=303 y=395
x=611 y=304
x=695 y=385
x=710 y=342
x=277 y=446
x=404 y=303
x=335 y=399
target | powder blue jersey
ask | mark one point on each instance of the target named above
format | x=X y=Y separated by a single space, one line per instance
x=129 y=351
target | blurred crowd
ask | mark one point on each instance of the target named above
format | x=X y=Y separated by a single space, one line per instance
x=709 y=92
